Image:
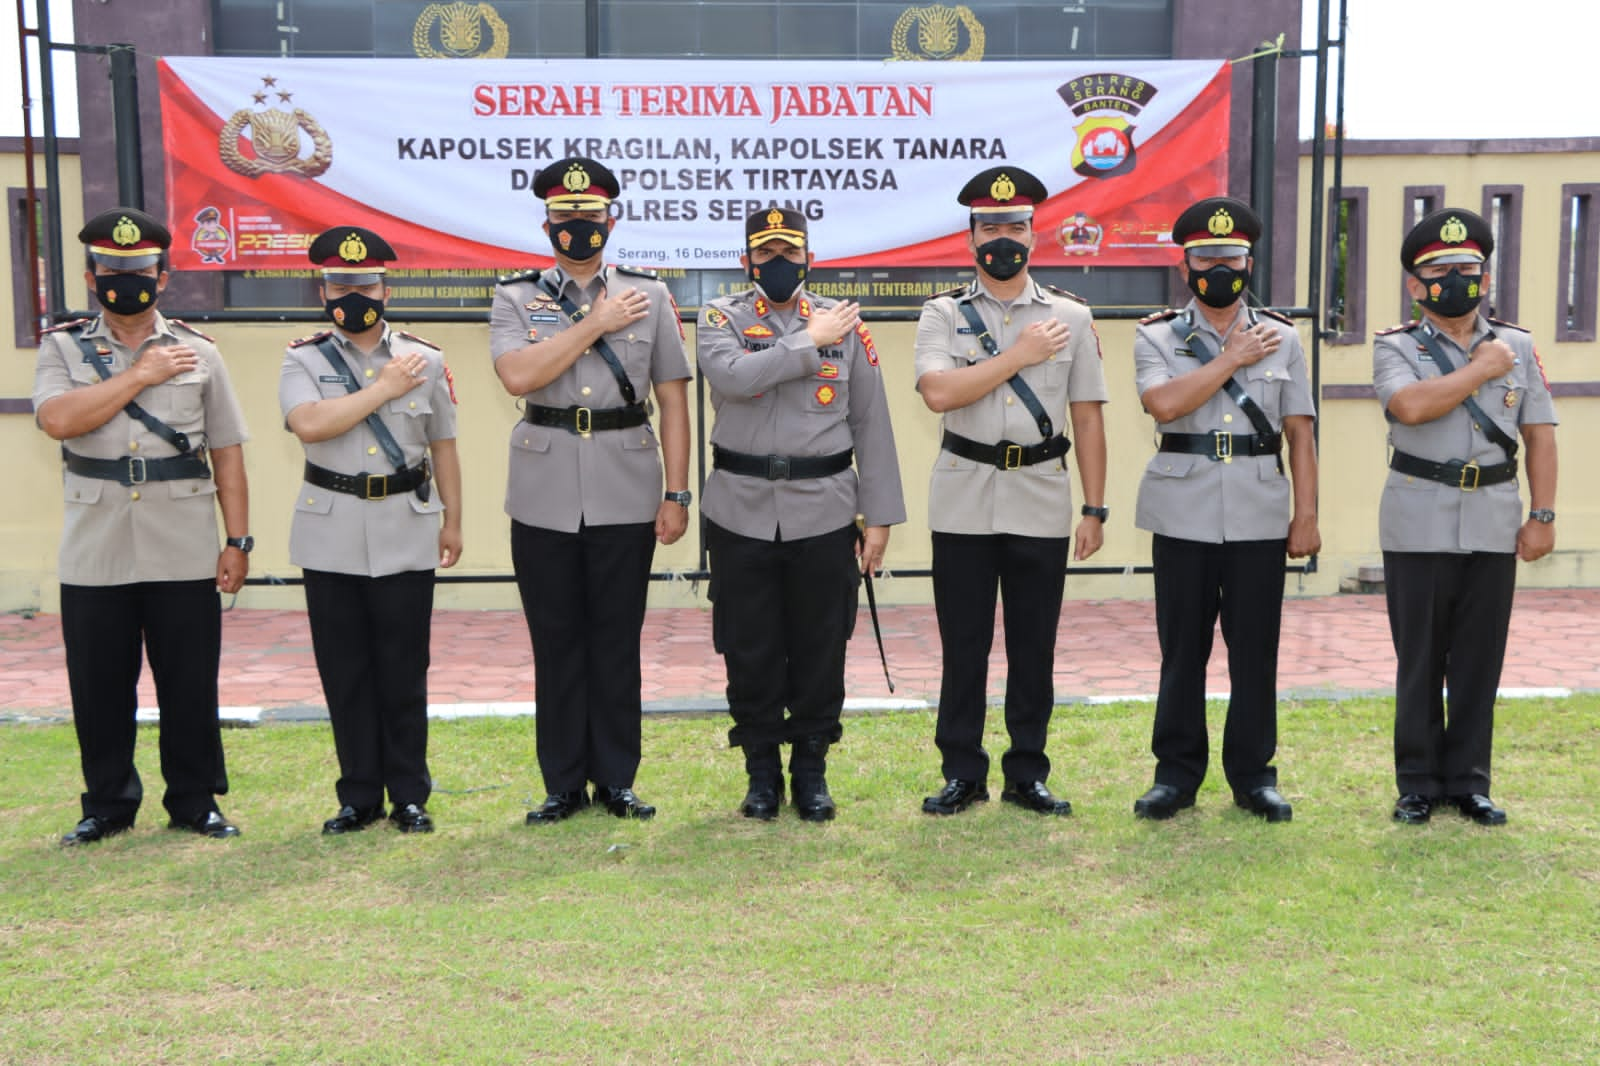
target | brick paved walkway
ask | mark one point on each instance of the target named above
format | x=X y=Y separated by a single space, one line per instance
x=482 y=664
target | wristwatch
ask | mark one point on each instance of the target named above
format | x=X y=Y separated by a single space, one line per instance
x=684 y=497
x=1101 y=513
x=245 y=543
x=1544 y=514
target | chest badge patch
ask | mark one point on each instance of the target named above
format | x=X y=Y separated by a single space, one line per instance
x=828 y=371
x=826 y=394
x=758 y=330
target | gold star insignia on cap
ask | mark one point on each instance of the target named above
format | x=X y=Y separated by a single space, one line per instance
x=1454 y=231
x=1221 y=223
x=352 y=249
x=1003 y=188
x=126 y=232
x=576 y=179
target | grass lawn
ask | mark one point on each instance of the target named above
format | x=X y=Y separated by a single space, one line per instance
x=887 y=936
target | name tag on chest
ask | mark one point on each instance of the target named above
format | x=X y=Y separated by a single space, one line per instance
x=334 y=379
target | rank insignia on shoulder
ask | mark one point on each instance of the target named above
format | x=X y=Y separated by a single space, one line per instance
x=757 y=330
x=1069 y=295
x=419 y=340
x=521 y=275
x=191 y=329
x=1160 y=316
x=314 y=338
x=63 y=326
x=638 y=272
x=1509 y=325
x=761 y=306
x=1278 y=316
x=866 y=343
x=1401 y=328
x=715 y=318
x=450 y=383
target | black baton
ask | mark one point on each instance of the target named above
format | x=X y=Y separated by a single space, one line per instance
x=872 y=609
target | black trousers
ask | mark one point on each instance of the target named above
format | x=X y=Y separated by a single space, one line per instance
x=1193 y=581
x=371 y=639
x=107 y=629
x=781 y=616
x=1448 y=614
x=583 y=595
x=1029 y=573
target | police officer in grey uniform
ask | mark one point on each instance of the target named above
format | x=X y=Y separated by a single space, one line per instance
x=797 y=393
x=1458 y=389
x=139 y=402
x=1227 y=385
x=583 y=345
x=1006 y=362
x=375 y=410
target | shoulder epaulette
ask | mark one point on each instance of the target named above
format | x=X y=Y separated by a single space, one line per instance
x=1069 y=295
x=1278 y=316
x=419 y=340
x=521 y=275
x=1160 y=316
x=952 y=293
x=1509 y=325
x=314 y=338
x=1401 y=328
x=191 y=329
x=638 y=272
x=74 y=324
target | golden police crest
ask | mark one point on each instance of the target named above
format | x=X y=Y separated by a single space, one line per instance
x=938 y=34
x=274 y=139
x=576 y=179
x=1003 y=188
x=774 y=218
x=456 y=31
x=126 y=232
x=353 y=249
x=1220 y=224
x=1454 y=231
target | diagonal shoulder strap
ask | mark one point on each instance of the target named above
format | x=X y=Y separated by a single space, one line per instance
x=1047 y=428
x=91 y=355
x=1183 y=326
x=386 y=441
x=572 y=311
x=1490 y=428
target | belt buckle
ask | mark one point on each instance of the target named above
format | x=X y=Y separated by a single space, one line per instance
x=1012 y=457
x=138 y=471
x=1476 y=473
x=777 y=468
x=583 y=420
x=382 y=483
x=1222 y=445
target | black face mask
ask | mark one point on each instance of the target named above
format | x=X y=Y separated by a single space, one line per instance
x=578 y=239
x=353 y=312
x=1002 y=258
x=778 y=278
x=1453 y=295
x=1220 y=286
x=125 y=294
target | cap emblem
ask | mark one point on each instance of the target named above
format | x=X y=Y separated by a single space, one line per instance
x=576 y=179
x=352 y=249
x=1221 y=223
x=126 y=232
x=1003 y=188
x=774 y=218
x=1454 y=231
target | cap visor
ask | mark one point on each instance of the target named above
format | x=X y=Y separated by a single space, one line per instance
x=1449 y=257
x=1002 y=214
x=788 y=236
x=346 y=277
x=126 y=260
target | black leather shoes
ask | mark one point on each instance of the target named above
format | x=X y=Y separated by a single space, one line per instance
x=1033 y=796
x=412 y=818
x=210 y=824
x=1265 y=802
x=1161 y=803
x=558 y=806
x=1413 y=809
x=622 y=803
x=351 y=820
x=1479 y=808
x=812 y=800
x=95 y=828
x=763 y=799
x=956 y=796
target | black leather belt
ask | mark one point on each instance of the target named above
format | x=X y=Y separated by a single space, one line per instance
x=1465 y=476
x=1219 y=445
x=1005 y=455
x=586 y=419
x=136 y=470
x=369 y=486
x=780 y=467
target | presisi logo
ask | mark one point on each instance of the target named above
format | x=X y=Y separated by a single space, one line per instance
x=274 y=138
x=938 y=34
x=1105 y=102
x=455 y=31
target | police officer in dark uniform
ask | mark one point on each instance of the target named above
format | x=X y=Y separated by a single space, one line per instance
x=1228 y=387
x=1006 y=362
x=375 y=410
x=1458 y=389
x=584 y=345
x=139 y=402
x=797 y=393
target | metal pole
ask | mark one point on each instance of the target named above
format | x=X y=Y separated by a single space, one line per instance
x=125 y=126
x=1263 y=168
x=591 y=29
x=30 y=203
x=55 y=278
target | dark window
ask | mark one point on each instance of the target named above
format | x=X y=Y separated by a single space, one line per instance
x=1347 y=267
x=1421 y=200
x=1502 y=207
x=1580 y=258
x=28 y=305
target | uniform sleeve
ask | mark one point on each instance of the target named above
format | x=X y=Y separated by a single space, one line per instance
x=442 y=402
x=224 y=417
x=507 y=331
x=51 y=376
x=297 y=385
x=734 y=371
x=933 y=351
x=1296 y=398
x=1150 y=366
x=1538 y=406
x=881 y=499
x=1391 y=370
x=668 y=359
x=1087 y=381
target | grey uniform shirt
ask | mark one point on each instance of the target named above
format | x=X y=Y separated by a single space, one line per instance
x=113 y=534
x=1419 y=515
x=775 y=393
x=560 y=479
x=345 y=534
x=1196 y=497
x=976 y=498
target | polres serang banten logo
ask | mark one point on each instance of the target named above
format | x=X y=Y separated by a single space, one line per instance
x=456 y=31
x=275 y=143
x=1105 y=102
x=938 y=33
